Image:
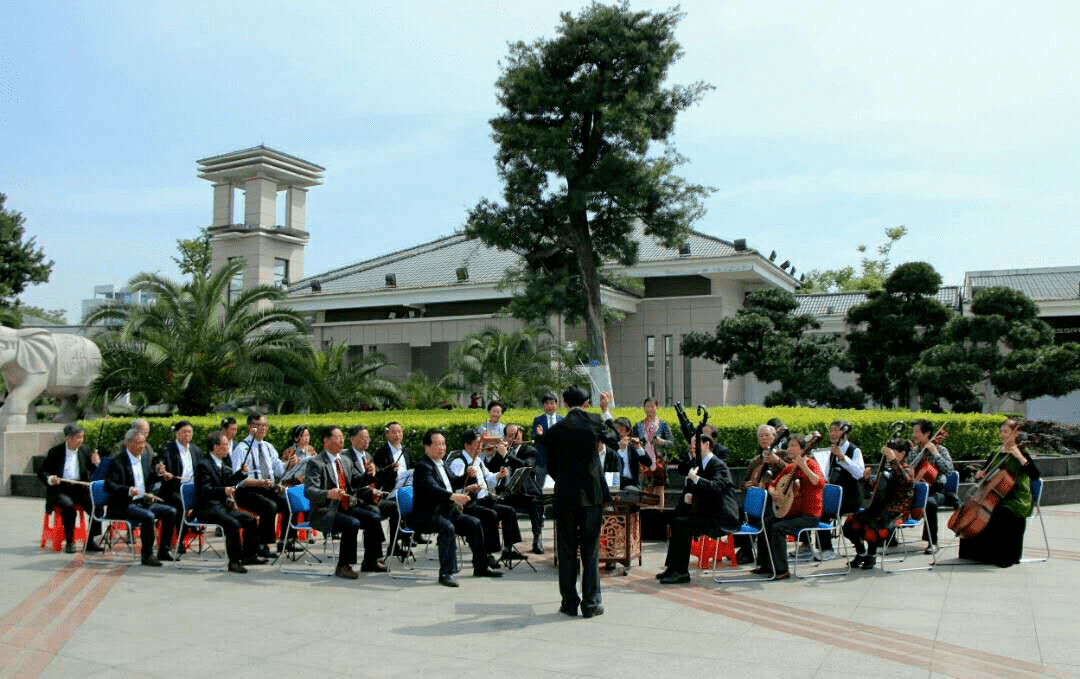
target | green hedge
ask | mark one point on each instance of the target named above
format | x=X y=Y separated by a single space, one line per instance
x=970 y=436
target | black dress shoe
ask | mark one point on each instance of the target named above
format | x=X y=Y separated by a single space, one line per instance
x=857 y=562
x=592 y=612
x=675 y=579
x=663 y=574
x=448 y=581
x=151 y=561
x=92 y=546
x=762 y=570
x=237 y=567
x=165 y=556
x=566 y=609
x=346 y=572
x=492 y=563
x=487 y=573
x=419 y=539
x=69 y=548
x=254 y=561
x=373 y=567
x=264 y=552
x=868 y=563
x=538 y=545
x=782 y=576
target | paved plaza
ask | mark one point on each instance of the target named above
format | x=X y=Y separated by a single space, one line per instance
x=63 y=618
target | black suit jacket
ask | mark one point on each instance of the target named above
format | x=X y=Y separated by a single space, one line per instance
x=170 y=456
x=715 y=497
x=430 y=496
x=386 y=478
x=120 y=479
x=54 y=466
x=572 y=460
x=211 y=482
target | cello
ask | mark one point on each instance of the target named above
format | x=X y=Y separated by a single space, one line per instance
x=973 y=515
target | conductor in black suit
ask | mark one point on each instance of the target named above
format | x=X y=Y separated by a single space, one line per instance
x=215 y=490
x=580 y=493
x=71 y=461
x=709 y=505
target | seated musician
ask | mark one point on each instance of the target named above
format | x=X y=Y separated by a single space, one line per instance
x=66 y=462
x=257 y=493
x=215 y=493
x=331 y=483
x=363 y=461
x=1001 y=542
x=515 y=454
x=295 y=455
x=437 y=509
x=175 y=464
x=890 y=499
x=709 y=506
x=932 y=464
x=762 y=470
x=805 y=508
x=470 y=475
x=631 y=454
x=128 y=482
x=845 y=469
x=393 y=462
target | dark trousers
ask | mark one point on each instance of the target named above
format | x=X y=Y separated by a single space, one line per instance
x=346 y=526
x=371 y=522
x=506 y=514
x=489 y=520
x=66 y=502
x=448 y=528
x=145 y=517
x=578 y=529
x=683 y=530
x=264 y=504
x=778 y=530
x=532 y=504
x=232 y=521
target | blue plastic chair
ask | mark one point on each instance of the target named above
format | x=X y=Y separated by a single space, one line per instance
x=922 y=493
x=405 y=509
x=98 y=500
x=754 y=507
x=831 y=498
x=1036 y=498
x=298 y=503
x=187 y=502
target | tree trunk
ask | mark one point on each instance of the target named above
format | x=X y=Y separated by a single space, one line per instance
x=595 y=336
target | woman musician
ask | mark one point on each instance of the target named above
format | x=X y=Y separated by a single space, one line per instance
x=893 y=487
x=931 y=463
x=763 y=469
x=1002 y=541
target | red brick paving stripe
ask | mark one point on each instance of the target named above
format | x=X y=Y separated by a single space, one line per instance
x=902 y=648
x=28 y=629
x=34 y=599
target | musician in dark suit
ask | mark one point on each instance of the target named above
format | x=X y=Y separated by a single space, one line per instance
x=215 y=492
x=709 y=506
x=175 y=464
x=437 y=509
x=73 y=461
x=129 y=479
x=515 y=454
x=630 y=453
x=391 y=458
x=580 y=493
x=364 y=463
x=329 y=483
x=541 y=423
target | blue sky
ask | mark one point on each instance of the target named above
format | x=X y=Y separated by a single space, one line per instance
x=829 y=123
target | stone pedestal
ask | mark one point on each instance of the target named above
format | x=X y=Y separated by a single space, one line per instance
x=20 y=443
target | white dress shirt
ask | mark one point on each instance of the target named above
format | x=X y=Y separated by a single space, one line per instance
x=136 y=473
x=71 y=464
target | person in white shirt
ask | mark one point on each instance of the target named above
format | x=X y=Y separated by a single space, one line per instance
x=175 y=464
x=470 y=475
x=258 y=459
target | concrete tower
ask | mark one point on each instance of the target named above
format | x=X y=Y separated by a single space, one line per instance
x=273 y=253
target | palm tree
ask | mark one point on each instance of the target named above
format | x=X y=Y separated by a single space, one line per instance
x=516 y=366
x=192 y=347
x=327 y=380
x=420 y=392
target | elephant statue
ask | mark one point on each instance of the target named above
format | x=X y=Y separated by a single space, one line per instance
x=36 y=361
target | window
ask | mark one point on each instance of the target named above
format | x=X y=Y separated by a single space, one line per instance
x=650 y=365
x=669 y=369
x=281 y=272
x=236 y=284
x=686 y=392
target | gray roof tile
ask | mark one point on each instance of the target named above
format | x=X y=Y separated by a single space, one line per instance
x=1042 y=283
x=838 y=303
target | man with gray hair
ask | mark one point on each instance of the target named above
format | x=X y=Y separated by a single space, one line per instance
x=129 y=483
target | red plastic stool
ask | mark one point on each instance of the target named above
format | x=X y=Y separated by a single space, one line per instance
x=54 y=530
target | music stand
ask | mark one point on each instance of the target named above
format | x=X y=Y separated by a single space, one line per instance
x=512 y=556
